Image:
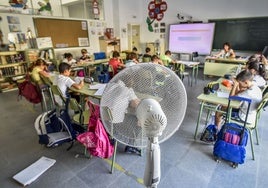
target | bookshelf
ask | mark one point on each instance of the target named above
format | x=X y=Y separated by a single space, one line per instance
x=13 y=67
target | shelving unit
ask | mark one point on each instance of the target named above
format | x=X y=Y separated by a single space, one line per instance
x=47 y=54
x=108 y=46
x=13 y=67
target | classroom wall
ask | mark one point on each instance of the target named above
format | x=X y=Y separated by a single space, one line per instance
x=129 y=11
x=205 y=10
x=119 y=13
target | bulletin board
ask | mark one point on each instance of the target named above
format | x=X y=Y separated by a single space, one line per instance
x=64 y=33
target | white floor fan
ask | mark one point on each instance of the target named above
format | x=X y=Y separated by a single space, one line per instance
x=142 y=106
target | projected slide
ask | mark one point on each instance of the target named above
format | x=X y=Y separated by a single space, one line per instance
x=188 y=38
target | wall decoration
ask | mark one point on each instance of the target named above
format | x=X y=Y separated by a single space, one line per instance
x=83 y=41
x=162 y=30
x=13 y=20
x=95 y=7
x=18 y=3
x=162 y=24
x=44 y=6
x=156 y=12
x=13 y=24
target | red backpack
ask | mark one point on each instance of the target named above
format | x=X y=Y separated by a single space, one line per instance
x=28 y=90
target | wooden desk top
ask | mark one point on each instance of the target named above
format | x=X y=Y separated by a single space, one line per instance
x=227 y=60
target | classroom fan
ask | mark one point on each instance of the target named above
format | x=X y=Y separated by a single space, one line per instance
x=142 y=106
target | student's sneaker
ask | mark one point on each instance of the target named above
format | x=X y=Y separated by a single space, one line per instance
x=129 y=149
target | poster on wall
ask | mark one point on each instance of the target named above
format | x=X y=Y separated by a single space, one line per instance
x=83 y=42
x=13 y=24
x=84 y=25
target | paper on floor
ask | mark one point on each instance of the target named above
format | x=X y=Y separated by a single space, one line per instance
x=32 y=172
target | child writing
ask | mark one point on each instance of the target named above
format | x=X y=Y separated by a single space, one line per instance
x=116 y=62
x=64 y=82
x=68 y=58
x=85 y=55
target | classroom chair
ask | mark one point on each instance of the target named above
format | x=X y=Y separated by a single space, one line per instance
x=253 y=126
x=81 y=116
x=146 y=59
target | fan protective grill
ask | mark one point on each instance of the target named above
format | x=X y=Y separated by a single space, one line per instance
x=144 y=80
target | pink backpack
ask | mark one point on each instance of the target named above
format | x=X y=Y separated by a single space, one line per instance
x=96 y=139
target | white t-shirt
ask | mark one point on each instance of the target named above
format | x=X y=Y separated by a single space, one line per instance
x=71 y=62
x=63 y=82
x=259 y=80
x=254 y=93
x=225 y=54
x=130 y=63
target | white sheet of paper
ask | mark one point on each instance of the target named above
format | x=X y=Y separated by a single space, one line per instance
x=222 y=94
x=32 y=172
x=97 y=86
x=100 y=91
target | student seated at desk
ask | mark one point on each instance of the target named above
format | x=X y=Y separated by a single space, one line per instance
x=258 y=57
x=226 y=52
x=166 y=59
x=68 y=58
x=39 y=67
x=258 y=71
x=85 y=56
x=116 y=62
x=243 y=86
x=147 y=53
x=132 y=59
x=155 y=59
x=63 y=81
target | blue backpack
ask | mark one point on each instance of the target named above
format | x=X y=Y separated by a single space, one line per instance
x=209 y=134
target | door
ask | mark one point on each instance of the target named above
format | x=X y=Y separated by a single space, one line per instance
x=134 y=37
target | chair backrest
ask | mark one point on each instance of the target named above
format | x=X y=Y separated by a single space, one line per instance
x=46 y=80
x=264 y=103
x=123 y=56
x=61 y=101
x=182 y=67
x=165 y=62
x=111 y=70
x=265 y=90
x=146 y=59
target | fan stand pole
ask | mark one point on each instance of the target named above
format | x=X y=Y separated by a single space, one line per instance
x=152 y=170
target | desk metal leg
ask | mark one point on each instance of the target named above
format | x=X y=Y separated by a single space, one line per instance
x=196 y=73
x=113 y=159
x=198 y=120
x=192 y=76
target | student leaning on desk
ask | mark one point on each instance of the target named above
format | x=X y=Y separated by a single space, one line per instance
x=243 y=86
x=37 y=69
x=63 y=81
x=226 y=52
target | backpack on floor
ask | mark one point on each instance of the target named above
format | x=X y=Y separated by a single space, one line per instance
x=54 y=129
x=209 y=134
